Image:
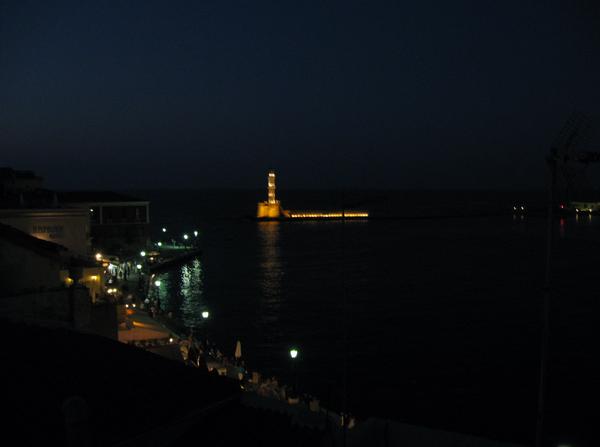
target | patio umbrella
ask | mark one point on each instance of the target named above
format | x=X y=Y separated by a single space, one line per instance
x=238 y=350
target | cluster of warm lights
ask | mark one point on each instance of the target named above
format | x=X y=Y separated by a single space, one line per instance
x=356 y=214
x=111 y=291
x=327 y=215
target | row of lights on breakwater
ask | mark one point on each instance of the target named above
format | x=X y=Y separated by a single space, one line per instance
x=521 y=209
x=185 y=236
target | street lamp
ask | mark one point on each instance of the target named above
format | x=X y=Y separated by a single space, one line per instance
x=159 y=244
x=185 y=236
x=205 y=316
x=195 y=233
x=293 y=356
x=98 y=256
x=164 y=230
x=139 y=266
x=142 y=253
x=157 y=283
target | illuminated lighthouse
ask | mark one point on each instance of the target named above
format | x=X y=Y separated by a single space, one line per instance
x=271 y=208
x=271 y=188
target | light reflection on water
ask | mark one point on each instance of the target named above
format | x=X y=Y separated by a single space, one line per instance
x=192 y=291
x=182 y=292
x=270 y=270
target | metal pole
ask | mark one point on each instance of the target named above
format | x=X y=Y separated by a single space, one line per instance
x=539 y=435
x=206 y=333
x=345 y=329
x=295 y=375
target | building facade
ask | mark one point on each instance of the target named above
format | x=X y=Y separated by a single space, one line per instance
x=64 y=226
x=28 y=264
x=117 y=222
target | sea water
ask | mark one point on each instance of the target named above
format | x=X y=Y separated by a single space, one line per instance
x=429 y=313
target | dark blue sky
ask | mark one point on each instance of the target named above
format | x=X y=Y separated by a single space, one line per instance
x=445 y=94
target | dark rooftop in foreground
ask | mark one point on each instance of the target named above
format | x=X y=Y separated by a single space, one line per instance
x=132 y=397
x=128 y=392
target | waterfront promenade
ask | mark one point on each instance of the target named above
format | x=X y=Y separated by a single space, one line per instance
x=144 y=328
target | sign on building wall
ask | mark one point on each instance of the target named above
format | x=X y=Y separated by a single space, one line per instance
x=48 y=231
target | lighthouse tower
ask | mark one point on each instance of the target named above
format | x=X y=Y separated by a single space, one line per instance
x=271 y=209
x=271 y=188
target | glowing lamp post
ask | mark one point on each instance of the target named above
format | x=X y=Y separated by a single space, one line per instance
x=142 y=253
x=157 y=283
x=195 y=233
x=98 y=256
x=293 y=353
x=139 y=266
x=164 y=230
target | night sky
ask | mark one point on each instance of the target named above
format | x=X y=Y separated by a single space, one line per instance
x=357 y=94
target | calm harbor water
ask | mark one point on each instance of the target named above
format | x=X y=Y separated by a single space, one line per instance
x=436 y=320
